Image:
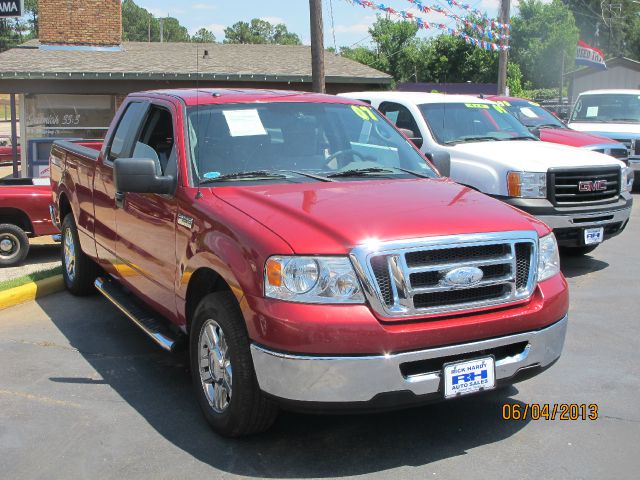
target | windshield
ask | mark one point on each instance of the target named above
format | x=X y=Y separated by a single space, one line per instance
x=452 y=123
x=297 y=142
x=531 y=114
x=610 y=107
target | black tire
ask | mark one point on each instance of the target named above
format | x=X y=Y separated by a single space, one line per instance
x=14 y=245
x=78 y=272
x=578 y=251
x=248 y=411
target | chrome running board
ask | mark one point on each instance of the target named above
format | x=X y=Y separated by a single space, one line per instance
x=157 y=330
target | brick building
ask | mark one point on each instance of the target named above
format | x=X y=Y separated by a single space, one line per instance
x=70 y=81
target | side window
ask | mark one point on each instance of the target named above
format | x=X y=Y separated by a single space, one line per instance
x=122 y=141
x=156 y=141
x=401 y=116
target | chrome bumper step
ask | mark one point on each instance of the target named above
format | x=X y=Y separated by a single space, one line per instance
x=158 y=330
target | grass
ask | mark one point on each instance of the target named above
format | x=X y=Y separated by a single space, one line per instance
x=32 y=277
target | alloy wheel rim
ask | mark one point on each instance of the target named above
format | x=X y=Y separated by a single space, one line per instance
x=9 y=245
x=216 y=373
x=69 y=255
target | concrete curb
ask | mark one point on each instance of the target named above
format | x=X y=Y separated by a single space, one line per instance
x=31 y=291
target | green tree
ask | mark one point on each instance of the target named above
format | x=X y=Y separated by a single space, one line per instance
x=31 y=9
x=203 y=36
x=261 y=32
x=540 y=33
x=282 y=36
x=137 y=23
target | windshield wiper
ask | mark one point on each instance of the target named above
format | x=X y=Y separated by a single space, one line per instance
x=356 y=172
x=248 y=175
x=633 y=120
x=310 y=175
x=520 y=137
x=547 y=125
x=360 y=172
x=471 y=139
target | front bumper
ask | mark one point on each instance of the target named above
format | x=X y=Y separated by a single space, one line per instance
x=569 y=222
x=360 y=379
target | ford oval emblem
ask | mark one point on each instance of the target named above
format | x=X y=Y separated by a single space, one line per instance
x=463 y=277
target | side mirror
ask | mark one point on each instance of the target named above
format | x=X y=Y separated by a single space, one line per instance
x=410 y=134
x=442 y=161
x=140 y=175
x=535 y=131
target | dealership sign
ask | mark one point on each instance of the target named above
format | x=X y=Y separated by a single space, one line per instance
x=11 y=8
x=589 y=56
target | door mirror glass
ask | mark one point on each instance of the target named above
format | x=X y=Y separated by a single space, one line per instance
x=140 y=175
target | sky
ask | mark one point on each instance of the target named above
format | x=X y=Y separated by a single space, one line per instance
x=350 y=21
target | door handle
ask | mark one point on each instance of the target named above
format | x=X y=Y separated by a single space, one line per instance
x=119 y=198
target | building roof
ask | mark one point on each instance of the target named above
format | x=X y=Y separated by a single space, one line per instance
x=181 y=61
x=416 y=98
x=612 y=62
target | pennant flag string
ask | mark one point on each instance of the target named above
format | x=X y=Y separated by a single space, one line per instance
x=453 y=3
x=424 y=24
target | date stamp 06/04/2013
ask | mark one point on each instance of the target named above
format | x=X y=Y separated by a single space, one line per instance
x=550 y=411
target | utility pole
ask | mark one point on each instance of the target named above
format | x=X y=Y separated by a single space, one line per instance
x=317 y=46
x=505 y=6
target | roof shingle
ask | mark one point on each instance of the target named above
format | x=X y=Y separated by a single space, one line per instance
x=144 y=60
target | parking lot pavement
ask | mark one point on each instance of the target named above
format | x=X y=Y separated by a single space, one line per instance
x=44 y=254
x=84 y=394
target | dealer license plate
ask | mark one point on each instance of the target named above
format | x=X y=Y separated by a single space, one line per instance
x=462 y=378
x=593 y=235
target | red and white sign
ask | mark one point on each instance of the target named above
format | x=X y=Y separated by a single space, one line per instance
x=589 y=56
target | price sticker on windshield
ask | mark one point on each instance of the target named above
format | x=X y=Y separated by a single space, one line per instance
x=499 y=108
x=364 y=113
x=476 y=105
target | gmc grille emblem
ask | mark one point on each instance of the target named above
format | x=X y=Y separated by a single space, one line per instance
x=592 y=185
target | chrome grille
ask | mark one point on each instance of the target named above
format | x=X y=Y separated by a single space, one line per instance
x=404 y=279
x=563 y=185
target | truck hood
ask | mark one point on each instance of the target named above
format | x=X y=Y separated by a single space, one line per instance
x=573 y=138
x=530 y=156
x=608 y=128
x=332 y=218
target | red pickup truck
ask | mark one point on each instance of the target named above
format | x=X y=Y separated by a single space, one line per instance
x=551 y=129
x=307 y=253
x=24 y=213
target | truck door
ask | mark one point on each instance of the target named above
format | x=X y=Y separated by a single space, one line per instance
x=118 y=144
x=146 y=222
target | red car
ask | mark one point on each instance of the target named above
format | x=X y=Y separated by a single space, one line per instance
x=24 y=213
x=307 y=254
x=551 y=129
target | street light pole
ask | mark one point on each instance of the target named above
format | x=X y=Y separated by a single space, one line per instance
x=505 y=6
x=317 y=46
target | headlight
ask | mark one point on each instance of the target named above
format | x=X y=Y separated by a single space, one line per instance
x=312 y=280
x=527 y=184
x=548 y=257
x=627 y=179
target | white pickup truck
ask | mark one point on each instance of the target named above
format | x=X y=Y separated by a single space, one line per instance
x=612 y=113
x=582 y=195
